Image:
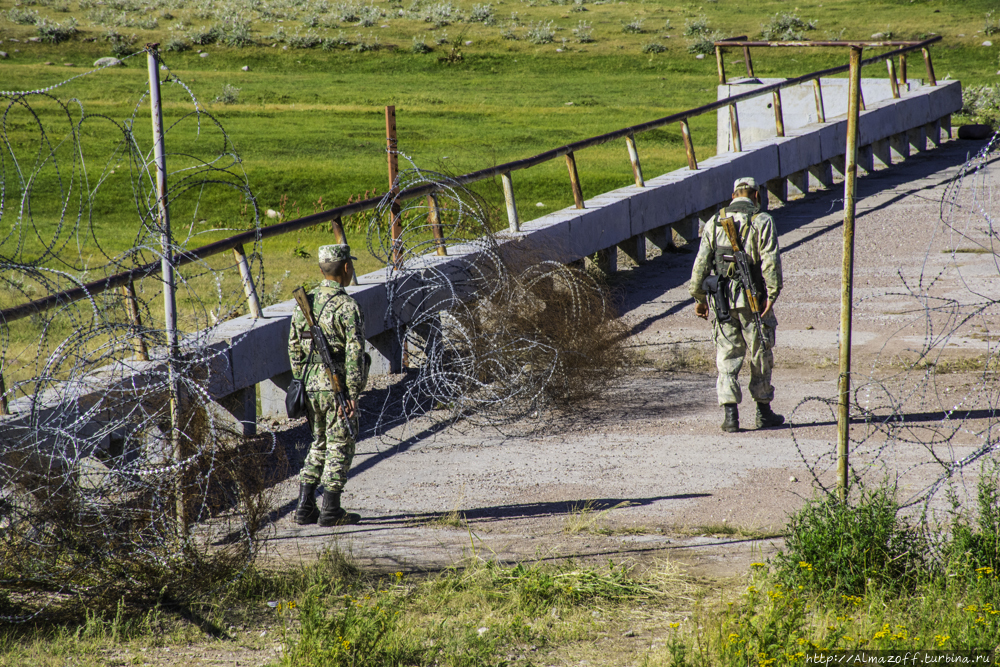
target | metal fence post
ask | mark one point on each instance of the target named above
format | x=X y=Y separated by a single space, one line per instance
x=434 y=218
x=340 y=236
x=167 y=271
x=892 y=77
x=902 y=68
x=688 y=145
x=930 y=66
x=396 y=228
x=132 y=306
x=253 y=304
x=847 y=275
x=818 y=94
x=508 y=196
x=779 y=118
x=749 y=63
x=734 y=129
x=721 y=65
x=4 y=409
x=633 y=156
x=574 y=179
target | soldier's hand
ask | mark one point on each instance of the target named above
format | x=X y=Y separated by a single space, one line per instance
x=767 y=308
x=701 y=310
x=352 y=409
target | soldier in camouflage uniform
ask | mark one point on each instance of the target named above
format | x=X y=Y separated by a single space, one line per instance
x=737 y=335
x=332 y=450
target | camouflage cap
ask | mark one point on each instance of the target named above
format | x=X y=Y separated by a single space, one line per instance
x=748 y=182
x=335 y=253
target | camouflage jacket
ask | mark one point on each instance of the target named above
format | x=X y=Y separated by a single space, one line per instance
x=760 y=241
x=344 y=325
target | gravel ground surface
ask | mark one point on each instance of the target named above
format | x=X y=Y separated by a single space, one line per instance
x=645 y=470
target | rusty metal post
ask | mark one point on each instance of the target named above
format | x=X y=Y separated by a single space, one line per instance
x=734 y=129
x=633 y=156
x=688 y=145
x=818 y=94
x=434 y=218
x=396 y=229
x=749 y=63
x=574 y=179
x=508 y=195
x=249 y=289
x=4 y=408
x=340 y=236
x=169 y=298
x=132 y=307
x=861 y=98
x=892 y=78
x=847 y=274
x=779 y=118
x=930 y=67
x=720 y=65
x=902 y=68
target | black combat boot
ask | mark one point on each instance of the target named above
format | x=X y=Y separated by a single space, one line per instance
x=766 y=418
x=307 y=511
x=731 y=424
x=335 y=515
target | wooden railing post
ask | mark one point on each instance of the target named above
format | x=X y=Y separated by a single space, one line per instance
x=734 y=129
x=508 y=196
x=688 y=145
x=930 y=67
x=720 y=65
x=434 y=218
x=749 y=63
x=574 y=179
x=818 y=94
x=892 y=78
x=633 y=156
x=248 y=287
x=132 y=306
x=779 y=118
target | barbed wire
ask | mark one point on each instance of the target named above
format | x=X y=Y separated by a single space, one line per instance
x=925 y=418
x=102 y=497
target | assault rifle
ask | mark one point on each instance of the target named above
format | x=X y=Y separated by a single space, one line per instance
x=742 y=263
x=320 y=344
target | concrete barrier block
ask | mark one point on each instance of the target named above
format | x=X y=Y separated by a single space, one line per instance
x=932 y=133
x=875 y=124
x=798 y=183
x=604 y=225
x=832 y=139
x=912 y=110
x=272 y=396
x=866 y=159
x=260 y=351
x=821 y=175
x=797 y=153
x=916 y=138
x=882 y=153
x=634 y=248
x=710 y=184
x=944 y=99
x=899 y=146
x=551 y=234
x=659 y=203
x=759 y=160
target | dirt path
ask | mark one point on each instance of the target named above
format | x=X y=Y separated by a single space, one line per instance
x=646 y=472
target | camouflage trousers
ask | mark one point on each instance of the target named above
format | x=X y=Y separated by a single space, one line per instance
x=332 y=450
x=735 y=340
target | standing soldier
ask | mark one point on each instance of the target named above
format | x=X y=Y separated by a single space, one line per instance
x=734 y=328
x=332 y=450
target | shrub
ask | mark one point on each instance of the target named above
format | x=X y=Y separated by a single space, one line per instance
x=583 y=32
x=204 y=36
x=230 y=95
x=441 y=14
x=54 y=33
x=369 y=15
x=653 y=47
x=235 y=32
x=363 y=45
x=974 y=549
x=177 y=45
x=483 y=14
x=23 y=16
x=508 y=34
x=634 y=26
x=306 y=40
x=842 y=549
x=697 y=27
x=981 y=104
x=992 y=27
x=338 y=41
x=121 y=45
x=540 y=32
x=420 y=45
x=787 y=28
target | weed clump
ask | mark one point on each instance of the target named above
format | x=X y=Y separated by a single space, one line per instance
x=981 y=104
x=633 y=27
x=973 y=553
x=786 y=28
x=230 y=95
x=540 y=32
x=52 y=32
x=653 y=47
x=701 y=38
x=843 y=549
x=584 y=33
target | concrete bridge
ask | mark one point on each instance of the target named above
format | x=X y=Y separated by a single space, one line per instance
x=246 y=353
